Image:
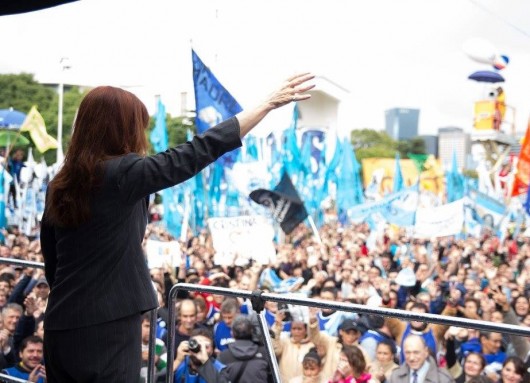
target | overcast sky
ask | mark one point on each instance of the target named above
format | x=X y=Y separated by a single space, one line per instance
x=386 y=53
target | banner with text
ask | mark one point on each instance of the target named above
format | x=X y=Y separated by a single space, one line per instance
x=440 y=221
x=237 y=240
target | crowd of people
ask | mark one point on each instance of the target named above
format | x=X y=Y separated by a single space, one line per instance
x=476 y=278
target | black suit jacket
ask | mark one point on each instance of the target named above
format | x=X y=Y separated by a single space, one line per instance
x=98 y=272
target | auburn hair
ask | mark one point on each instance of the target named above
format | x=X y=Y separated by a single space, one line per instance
x=110 y=122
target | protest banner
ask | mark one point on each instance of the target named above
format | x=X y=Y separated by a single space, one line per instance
x=238 y=240
x=161 y=253
x=440 y=221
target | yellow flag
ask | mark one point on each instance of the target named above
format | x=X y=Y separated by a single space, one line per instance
x=34 y=124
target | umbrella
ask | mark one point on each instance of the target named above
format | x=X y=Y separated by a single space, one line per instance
x=12 y=138
x=11 y=119
x=486 y=76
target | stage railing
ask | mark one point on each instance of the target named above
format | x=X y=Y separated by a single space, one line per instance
x=152 y=324
x=258 y=298
x=11 y=379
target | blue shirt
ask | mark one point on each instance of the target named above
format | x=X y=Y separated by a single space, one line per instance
x=19 y=372
x=222 y=336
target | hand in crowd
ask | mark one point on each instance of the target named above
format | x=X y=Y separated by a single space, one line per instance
x=31 y=305
x=4 y=337
x=500 y=298
x=183 y=350
x=38 y=372
x=313 y=314
x=279 y=317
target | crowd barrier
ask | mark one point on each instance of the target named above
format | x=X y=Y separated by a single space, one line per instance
x=152 y=325
x=11 y=379
x=258 y=298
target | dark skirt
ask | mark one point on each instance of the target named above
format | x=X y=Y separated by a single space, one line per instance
x=107 y=352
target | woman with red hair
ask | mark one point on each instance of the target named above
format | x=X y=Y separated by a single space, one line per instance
x=94 y=222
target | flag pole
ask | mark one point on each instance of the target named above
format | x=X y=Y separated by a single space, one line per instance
x=314 y=228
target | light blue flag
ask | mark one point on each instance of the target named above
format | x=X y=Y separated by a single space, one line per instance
x=398 y=176
x=305 y=157
x=158 y=136
x=400 y=207
x=349 y=185
x=214 y=192
x=213 y=103
x=275 y=166
x=290 y=151
x=454 y=182
x=334 y=162
x=172 y=215
x=251 y=148
x=170 y=197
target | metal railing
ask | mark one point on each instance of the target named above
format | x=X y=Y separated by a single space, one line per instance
x=11 y=379
x=258 y=298
x=152 y=325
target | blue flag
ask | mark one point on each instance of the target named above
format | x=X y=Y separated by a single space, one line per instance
x=290 y=151
x=349 y=184
x=213 y=103
x=398 y=176
x=158 y=136
x=455 y=182
x=172 y=216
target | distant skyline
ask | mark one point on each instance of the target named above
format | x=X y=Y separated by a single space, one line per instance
x=386 y=53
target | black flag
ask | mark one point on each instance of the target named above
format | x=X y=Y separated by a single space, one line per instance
x=284 y=203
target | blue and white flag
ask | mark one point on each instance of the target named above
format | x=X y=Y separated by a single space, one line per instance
x=213 y=103
x=397 y=208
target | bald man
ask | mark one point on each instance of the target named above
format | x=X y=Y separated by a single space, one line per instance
x=419 y=366
x=186 y=323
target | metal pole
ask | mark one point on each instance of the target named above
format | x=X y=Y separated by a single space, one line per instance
x=171 y=334
x=20 y=262
x=268 y=345
x=151 y=352
x=357 y=308
x=11 y=379
x=64 y=65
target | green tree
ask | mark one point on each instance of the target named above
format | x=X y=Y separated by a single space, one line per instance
x=22 y=91
x=415 y=145
x=369 y=143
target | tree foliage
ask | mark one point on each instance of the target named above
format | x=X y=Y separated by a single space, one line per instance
x=22 y=91
x=369 y=143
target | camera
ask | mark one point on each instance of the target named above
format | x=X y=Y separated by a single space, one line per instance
x=194 y=346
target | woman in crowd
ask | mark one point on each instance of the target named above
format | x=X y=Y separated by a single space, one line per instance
x=290 y=351
x=521 y=307
x=513 y=370
x=384 y=363
x=351 y=367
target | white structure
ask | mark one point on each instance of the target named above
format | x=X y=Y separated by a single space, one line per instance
x=327 y=109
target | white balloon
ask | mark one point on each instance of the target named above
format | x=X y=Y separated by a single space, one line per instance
x=480 y=50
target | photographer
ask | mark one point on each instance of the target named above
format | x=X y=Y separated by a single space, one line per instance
x=194 y=353
x=246 y=361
